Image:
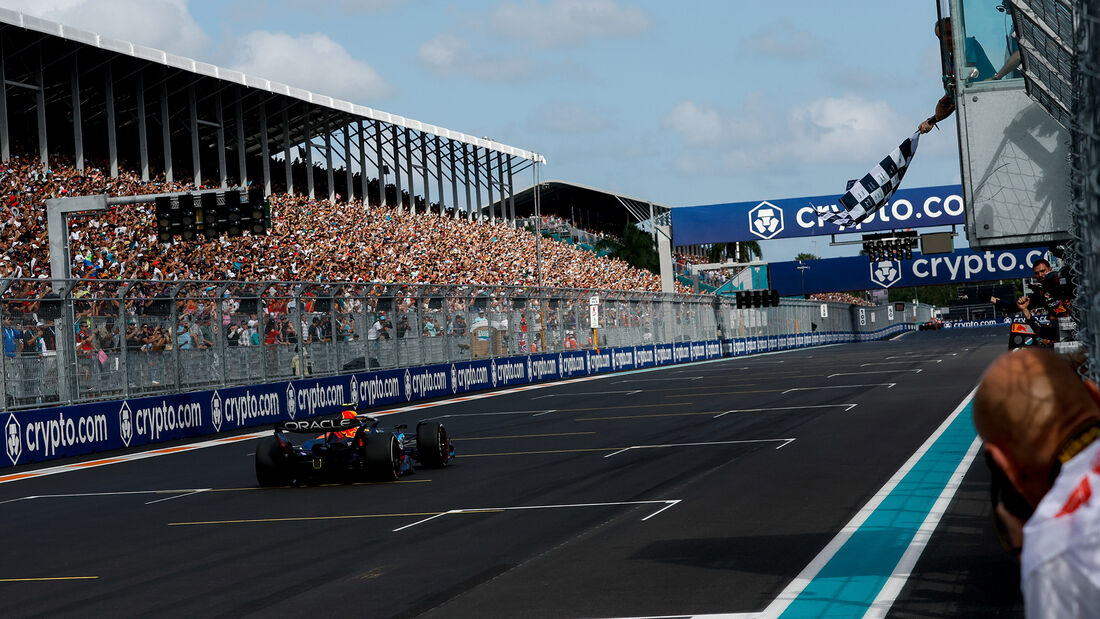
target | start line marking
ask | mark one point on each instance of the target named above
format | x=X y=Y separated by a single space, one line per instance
x=667 y=504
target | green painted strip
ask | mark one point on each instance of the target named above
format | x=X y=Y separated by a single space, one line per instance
x=848 y=584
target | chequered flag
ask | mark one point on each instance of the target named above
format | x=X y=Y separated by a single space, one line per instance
x=874 y=190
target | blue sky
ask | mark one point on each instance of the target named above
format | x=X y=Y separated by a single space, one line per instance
x=682 y=103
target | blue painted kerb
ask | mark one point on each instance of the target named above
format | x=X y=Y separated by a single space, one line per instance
x=851 y=580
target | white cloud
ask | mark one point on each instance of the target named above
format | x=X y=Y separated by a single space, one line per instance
x=311 y=61
x=447 y=54
x=762 y=136
x=560 y=23
x=781 y=40
x=164 y=24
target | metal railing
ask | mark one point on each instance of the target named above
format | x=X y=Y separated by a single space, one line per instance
x=109 y=339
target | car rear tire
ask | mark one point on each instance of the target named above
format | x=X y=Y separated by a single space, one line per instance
x=433 y=444
x=272 y=465
x=382 y=455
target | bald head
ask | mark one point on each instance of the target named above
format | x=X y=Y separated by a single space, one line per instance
x=1029 y=402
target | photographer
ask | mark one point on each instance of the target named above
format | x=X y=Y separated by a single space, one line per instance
x=1040 y=424
x=1051 y=294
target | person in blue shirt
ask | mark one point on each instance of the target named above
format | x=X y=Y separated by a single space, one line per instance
x=13 y=339
x=981 y=69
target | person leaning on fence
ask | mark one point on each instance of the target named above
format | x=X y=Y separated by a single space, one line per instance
x=1040 y=423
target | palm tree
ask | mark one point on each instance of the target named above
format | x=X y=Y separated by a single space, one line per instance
x=807 y=256
x=729 y=251
x=635 y=248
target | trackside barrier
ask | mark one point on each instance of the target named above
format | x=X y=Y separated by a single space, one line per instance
x=59 y=432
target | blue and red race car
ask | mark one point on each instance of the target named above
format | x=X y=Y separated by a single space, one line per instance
x=349 y=447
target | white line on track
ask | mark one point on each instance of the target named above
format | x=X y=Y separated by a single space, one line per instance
x=887 y=385
x=785 y=441
x=915 y=371
x=863 y=365
x=785 y=408
x=535 y=413
x=584 y=393
x=474 y=510
x=924 y=354
x=652 y=380
x=177 y=496
x=74 y=495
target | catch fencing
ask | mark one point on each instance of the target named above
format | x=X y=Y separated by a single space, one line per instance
x=100 y=340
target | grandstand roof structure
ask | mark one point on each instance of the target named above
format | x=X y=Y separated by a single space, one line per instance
x=76 y=92
x=588 y=207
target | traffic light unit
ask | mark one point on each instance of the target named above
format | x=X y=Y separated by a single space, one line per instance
x=212 y=214
x=757 y=298
x=890 y=246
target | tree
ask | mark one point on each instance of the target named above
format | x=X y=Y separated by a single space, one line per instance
x=806 y=256
x=636 y=249
x=729 y=251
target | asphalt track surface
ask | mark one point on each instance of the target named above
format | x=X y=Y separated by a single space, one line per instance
x=692 y=489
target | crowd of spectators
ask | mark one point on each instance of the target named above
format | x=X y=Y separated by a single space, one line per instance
x=841 y=297
x=309 y=240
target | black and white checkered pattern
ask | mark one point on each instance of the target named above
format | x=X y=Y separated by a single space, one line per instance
x=874 y=190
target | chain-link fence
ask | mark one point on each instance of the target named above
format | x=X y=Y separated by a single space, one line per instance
x=99 y=339
x=1085 y=182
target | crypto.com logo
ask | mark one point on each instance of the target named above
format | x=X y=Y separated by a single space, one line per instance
x=14 y=443
x=125 y=423
x=886 y=273
x=766 y=220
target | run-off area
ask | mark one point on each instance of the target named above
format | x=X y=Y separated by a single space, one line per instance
x=693 y=489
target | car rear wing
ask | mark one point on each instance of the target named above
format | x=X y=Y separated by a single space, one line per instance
x=320 y=424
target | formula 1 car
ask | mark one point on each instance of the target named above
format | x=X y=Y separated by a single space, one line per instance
x=1021 y=335
x=349 y=447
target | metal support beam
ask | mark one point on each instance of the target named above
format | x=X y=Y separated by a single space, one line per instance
x=466 y=172
x=164 y=122
x=112 y=131
x=439 y=176
x=364 y=184
x=309 y=158
x=143 y=137
x=329 y=176
x=286 y=155
x=511 y=191
x=78 y=126
x=196 y=161
x=40 y=105
x=5 y=137
x=265 y=147
x=349 y=185
x=397 y=168
x=242 y=163
x=381 y=163
x=454 y=179
x=409 y=169
x=424 y=171
x=223 y=180
x=477 y=180
x=489 y=184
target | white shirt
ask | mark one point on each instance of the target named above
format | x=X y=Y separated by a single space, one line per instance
x=1060 y=563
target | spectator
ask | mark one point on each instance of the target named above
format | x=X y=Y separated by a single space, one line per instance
x=1040 y=423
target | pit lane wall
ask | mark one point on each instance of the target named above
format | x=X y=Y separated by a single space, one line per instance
x=59 y=432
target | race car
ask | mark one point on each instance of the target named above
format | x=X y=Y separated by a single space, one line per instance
x=348 y=447
x=932 y=325
x=1022 y=335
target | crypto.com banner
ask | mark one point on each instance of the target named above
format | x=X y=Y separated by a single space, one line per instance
x=36 y=435
x=920 y=207
x=856 y=273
